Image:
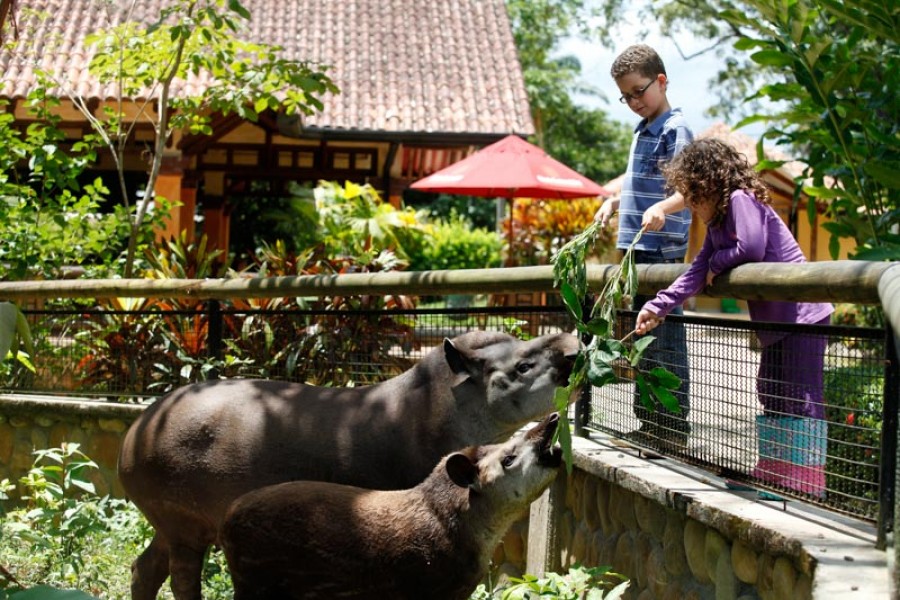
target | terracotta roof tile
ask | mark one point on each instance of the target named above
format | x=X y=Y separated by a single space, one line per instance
x=402 y=65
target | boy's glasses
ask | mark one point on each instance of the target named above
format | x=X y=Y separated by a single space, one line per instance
x=626 y=98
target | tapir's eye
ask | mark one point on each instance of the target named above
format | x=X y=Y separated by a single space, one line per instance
x=524 y=367
x=508 y=460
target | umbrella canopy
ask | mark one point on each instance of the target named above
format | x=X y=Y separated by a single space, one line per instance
x=510 y=168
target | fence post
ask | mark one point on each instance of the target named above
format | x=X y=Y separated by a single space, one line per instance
x=214 y=336
x=889 y=431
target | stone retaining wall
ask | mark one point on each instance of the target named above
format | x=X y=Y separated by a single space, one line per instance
x=673 y=531
x=677 y=533
x=29 y=423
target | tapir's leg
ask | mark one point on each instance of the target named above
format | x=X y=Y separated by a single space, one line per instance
x=186 y=567
x=149 y=570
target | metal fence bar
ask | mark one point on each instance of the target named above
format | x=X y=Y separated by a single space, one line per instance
x=889 y=432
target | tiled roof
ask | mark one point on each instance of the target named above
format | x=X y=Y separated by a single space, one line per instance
x=403 y=65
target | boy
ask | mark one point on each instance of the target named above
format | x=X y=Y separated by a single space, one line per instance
x=640 y=75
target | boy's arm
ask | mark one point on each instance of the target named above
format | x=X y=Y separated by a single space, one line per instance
x=654 y=217
x=606 y=211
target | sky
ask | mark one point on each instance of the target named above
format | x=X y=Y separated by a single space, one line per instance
x=688 y=79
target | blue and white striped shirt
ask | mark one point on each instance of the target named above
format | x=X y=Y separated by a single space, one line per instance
x=644 y=186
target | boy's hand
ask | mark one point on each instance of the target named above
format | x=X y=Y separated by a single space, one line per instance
x=646 y=321
x=606 y=211
x=654 y=218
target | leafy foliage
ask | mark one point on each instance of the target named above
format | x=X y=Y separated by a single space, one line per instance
x=61 y=541
x=48 y=219
x=579 y=583
x=821 y=75
x=542 y=227
x=584 y=139
x=454 y=244
x=198 y=39
x=597 y=362
x=837 y=64
x=129 y=352
x=854 y=403
x=356 y=222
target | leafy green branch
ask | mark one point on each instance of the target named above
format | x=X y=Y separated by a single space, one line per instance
x=602 y=353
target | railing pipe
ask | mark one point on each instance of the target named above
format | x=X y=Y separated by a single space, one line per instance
x=839 y=281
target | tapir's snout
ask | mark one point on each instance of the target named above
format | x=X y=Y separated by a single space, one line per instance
x=549 y=454
x=568 y=347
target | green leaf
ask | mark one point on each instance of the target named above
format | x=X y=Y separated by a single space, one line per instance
x=571 y=300
x=885 y=172
x=644 y=391
x=665 y=378
x=564 y=437
x=637 y=350
x=561 y=398
x=665 y=397
x=600 y=373
x=772 y=58
x=236 y=6
x=599 y=327
x=608 y=350
x=9 y=316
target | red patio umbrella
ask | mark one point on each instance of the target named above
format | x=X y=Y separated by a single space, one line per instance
x=511 y=168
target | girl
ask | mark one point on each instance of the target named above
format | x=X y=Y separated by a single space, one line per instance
x=721 y=188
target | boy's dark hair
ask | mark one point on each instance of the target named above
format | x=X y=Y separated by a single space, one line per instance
x=639 y=58
x=709 y=170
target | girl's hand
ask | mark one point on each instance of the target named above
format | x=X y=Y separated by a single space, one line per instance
x=654 y=218
x=709 y=277
x=646 y=321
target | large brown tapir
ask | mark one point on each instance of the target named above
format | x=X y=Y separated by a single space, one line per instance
x=313 y=540
x=200 y=447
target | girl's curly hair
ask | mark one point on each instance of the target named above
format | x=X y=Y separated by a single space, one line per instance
x=709 y=170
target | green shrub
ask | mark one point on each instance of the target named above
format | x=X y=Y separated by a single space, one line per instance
x=62 y=537
x=455 y=244
x=854 y=400
x=597 y=583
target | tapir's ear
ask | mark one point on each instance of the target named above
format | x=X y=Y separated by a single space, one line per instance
x=462 y=471
x=457 y=361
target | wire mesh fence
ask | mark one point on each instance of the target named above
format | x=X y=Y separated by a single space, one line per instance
x=819 y=439
x=824 y=447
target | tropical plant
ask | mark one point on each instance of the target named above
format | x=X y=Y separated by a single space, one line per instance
x=62 y=541
x=60 y=513
x=543 y=226
x=356 y=222
x=14 y=333
x=854 y=400
x=821 y=75
x=263 y=216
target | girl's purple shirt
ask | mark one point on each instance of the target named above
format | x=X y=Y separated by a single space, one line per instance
x=749 y=232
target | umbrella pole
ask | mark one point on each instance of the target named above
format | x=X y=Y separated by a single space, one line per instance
x=509 y=254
